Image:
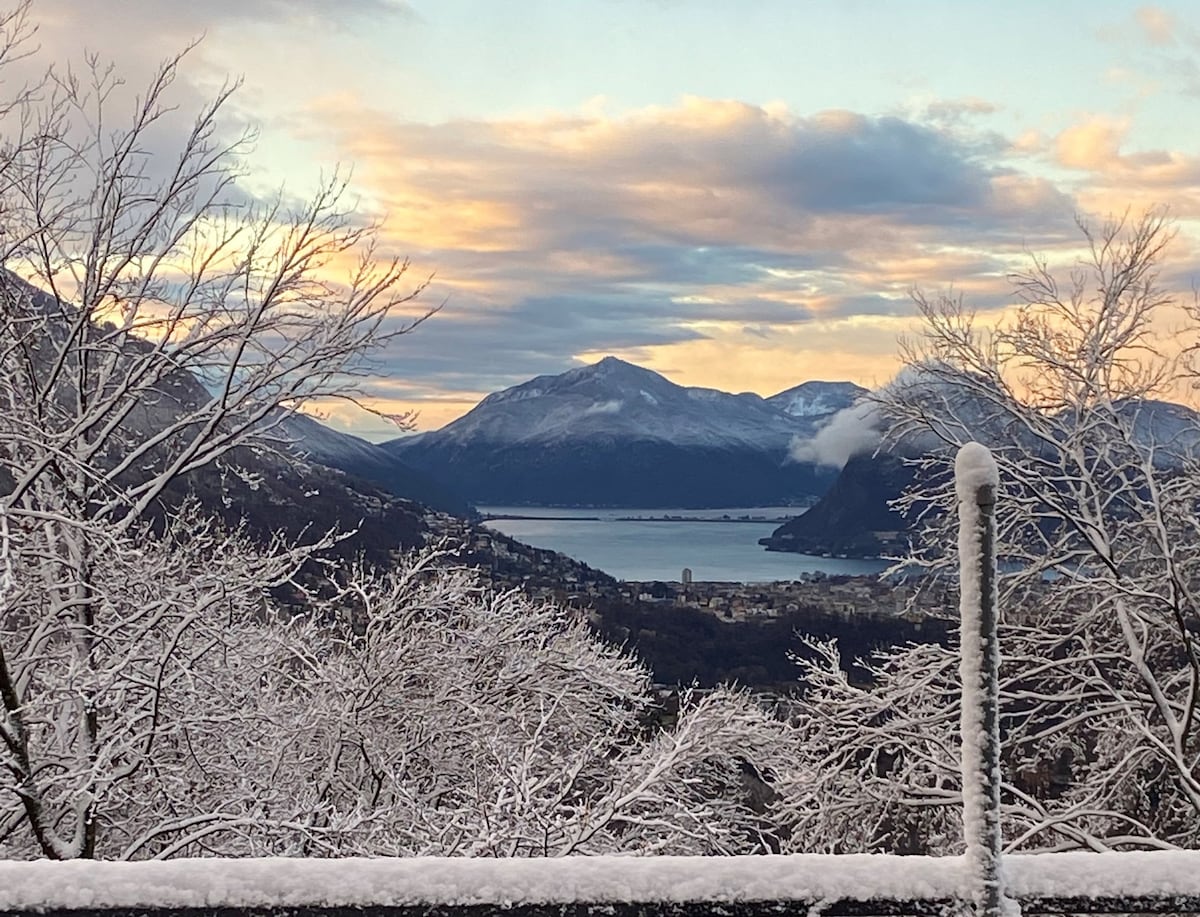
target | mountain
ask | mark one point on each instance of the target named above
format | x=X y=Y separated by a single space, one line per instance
x=315 y=480
x=358 y=458
x=817 y=399
x=616 y=434
x=853 y=516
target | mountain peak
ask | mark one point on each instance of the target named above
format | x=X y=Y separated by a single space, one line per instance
x=817 y=398
x=613 y=399
x=614 y=366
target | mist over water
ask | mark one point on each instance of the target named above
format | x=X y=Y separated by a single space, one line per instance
x=610 y=540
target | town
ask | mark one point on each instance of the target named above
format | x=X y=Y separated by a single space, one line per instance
x=551 y=576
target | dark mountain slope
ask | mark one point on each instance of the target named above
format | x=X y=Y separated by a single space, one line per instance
x=370 y=462
x=853 y=517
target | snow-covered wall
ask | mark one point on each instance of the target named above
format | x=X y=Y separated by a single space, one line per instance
x=1165 y=877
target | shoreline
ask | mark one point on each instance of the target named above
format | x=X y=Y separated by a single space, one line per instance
x=488 y=517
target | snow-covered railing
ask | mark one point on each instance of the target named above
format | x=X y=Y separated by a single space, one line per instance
x=1166 y=882
x=1156 y=882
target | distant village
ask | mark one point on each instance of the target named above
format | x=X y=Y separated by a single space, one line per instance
x=847 y=596
x=552 y=576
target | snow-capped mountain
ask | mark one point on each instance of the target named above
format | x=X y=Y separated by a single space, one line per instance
x=617 y=434
x=615 y=398
x=817 y=399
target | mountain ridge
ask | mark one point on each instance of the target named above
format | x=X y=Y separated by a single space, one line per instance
x=318 y=443
x=817 y=398
x=616 y=434
x=854 y=517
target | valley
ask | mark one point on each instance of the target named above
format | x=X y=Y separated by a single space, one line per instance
x=708 y=632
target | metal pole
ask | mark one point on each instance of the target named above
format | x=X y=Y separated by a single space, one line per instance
x=991 y=905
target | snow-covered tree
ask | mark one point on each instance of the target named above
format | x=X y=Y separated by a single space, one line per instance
x=420 y=711
x=416 y=711
x=153 y=321
x=170 y=686
x=1097 y=517
x=86 y=734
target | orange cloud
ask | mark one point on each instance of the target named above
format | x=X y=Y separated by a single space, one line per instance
x=1157 y=25
x=1093 y=145
x=1136 y=180
x=1029 y=142
x=861 y=350
x=717 y=171
x=723 y=243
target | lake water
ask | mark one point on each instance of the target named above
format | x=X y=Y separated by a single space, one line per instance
x=612 y=541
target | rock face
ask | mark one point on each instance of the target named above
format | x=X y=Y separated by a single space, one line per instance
x=615 y=434
x=853 y=517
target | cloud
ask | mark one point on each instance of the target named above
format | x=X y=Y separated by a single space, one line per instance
x=726 y=242
x=706 y=173
x=1157 y=25
x=853 y=431
x=151 y=19
x=1137 y=180
x=1091 y=144
x=671 y=203
x=861 y=428
x=1165 y=56
x=957 y=111
x=682 y=232
x=664 y=228
x=230 y=40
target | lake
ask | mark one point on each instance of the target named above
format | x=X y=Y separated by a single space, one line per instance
x=614 y=541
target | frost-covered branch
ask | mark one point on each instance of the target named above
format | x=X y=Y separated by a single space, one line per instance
x=1096 y=531
x=154 y=321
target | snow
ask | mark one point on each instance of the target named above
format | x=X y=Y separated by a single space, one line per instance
x=800 y=406
x=441 y=881
x=975 y=468
x=1158 y=873
x=617 y=401
x=603 y=407
x=816 y=398
x=398 y=882
x=516 y=393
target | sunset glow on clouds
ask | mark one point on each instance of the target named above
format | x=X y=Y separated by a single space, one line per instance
x=738 y=198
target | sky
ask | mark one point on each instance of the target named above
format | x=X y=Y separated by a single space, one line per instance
x=741 y=196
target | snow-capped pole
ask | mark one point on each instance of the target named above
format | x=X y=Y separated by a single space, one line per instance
x=977 y=481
